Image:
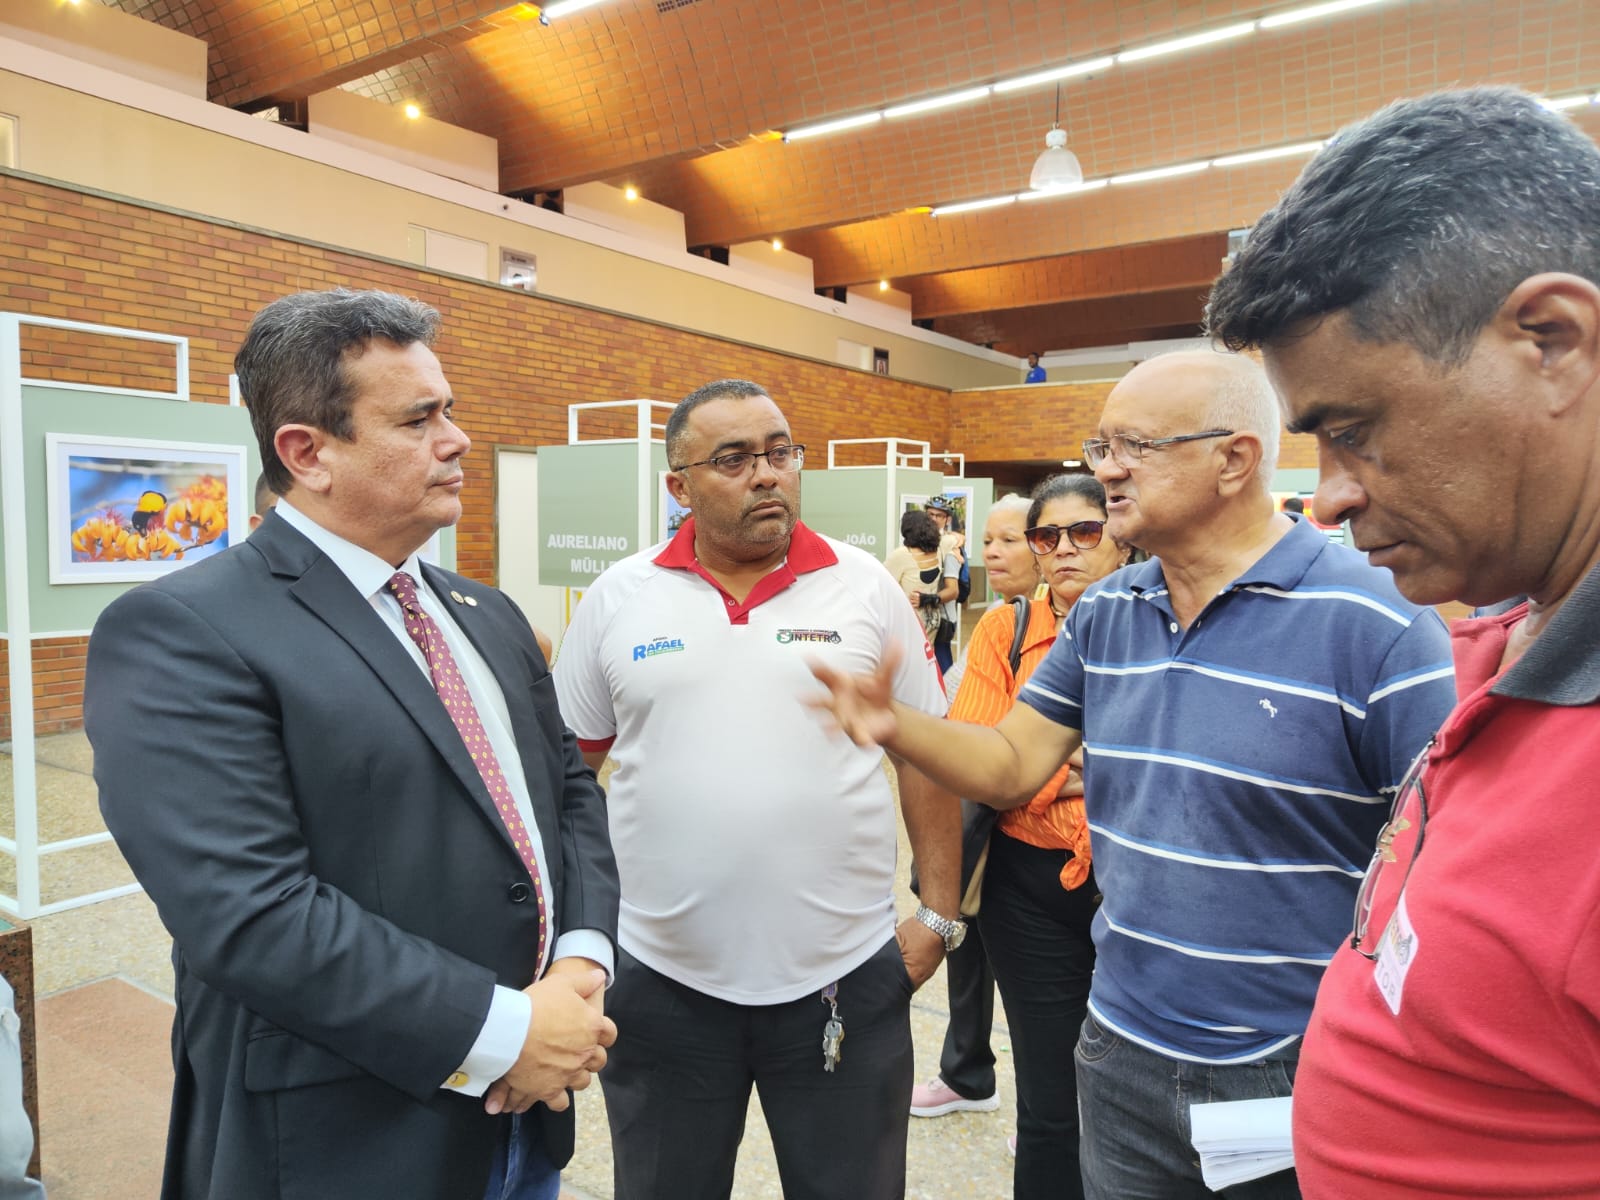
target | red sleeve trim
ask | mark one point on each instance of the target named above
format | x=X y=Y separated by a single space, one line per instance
x=594 y=747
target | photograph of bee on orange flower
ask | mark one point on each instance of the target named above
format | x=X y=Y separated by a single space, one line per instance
x=149 y=508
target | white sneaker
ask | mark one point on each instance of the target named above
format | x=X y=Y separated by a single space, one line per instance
x=936 y=1098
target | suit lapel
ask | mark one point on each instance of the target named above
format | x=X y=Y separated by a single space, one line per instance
x=324 y=589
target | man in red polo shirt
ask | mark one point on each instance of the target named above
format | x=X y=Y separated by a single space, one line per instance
x=1427 y=301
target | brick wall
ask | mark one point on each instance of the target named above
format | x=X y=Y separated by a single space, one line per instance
x=1050 y=421
x=515 y=361
x=57 y=685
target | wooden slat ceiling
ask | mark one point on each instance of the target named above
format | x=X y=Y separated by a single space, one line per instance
x=680 y=98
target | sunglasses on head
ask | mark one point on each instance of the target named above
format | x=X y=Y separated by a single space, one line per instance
x=1085 y=535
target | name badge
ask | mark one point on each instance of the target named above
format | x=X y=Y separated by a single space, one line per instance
x=1396 y=953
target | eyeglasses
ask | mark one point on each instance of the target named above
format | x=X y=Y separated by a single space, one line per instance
x=1085 y=535
x=1384 y=854
x=779 y=458
x=1128 y=450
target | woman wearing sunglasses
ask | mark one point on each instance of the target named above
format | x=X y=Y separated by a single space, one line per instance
x=1039 y=895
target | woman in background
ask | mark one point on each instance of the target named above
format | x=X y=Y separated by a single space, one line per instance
x=965 y=1082
x=1039 y=895
x=929 y=581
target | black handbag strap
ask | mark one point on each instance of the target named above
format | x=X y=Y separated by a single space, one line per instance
x=1019 y=614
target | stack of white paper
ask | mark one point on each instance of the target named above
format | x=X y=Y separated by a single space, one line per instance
x=1241 y=1139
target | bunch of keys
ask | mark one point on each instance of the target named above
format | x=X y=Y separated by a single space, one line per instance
x=833 y=1030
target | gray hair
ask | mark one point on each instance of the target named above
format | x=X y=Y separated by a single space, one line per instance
x=1245 y=403
x=291 y=366
x=1012 y=502
x=1417 y=223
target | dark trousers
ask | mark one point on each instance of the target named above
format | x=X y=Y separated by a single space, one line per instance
x=677 y=1086
x=1136 y=1137
x=1037 y=934
x=967 y=1063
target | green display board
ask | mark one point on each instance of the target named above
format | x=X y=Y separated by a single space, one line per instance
x=73 y=608
x=861 y=505
x=589 y=505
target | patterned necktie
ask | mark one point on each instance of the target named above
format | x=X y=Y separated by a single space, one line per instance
x=452 y=690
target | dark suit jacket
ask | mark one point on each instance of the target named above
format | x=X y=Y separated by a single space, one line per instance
x=340 y=890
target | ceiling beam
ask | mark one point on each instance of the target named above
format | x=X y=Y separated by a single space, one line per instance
x=1191 y=263
x=1073 y=324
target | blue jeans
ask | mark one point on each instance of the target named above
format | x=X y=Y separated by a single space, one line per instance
x=1135 y=1106
x=522 y=1170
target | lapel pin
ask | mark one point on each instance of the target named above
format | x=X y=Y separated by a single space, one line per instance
x=472 y=602
x=457 y=597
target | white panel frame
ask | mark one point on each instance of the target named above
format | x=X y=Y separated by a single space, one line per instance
x=25 y=846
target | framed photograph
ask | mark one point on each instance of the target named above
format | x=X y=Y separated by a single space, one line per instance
x=960 y=502
x=124 y=510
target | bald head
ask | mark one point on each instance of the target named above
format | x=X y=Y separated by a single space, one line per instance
x=1223 y=391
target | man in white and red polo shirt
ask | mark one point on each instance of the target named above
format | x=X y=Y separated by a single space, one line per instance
x=757 y=940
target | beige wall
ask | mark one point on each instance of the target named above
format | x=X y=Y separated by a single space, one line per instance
x=781 y=268
x=422 y=142
x=112 y=39
x=68 y=135
x=607 y=206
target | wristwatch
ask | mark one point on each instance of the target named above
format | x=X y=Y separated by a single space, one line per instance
x=953 y=932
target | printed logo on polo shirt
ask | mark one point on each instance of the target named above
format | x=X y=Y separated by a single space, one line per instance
x=830 y=636
x=657 y=646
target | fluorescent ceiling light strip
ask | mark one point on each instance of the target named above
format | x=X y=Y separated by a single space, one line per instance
x=1187 y=43
x=1088 y=185
x=1563 y=103
x=1239 y=160
x=1055 y=74
x=1161 y=172
x=933 y=102
x=564 y=7
x=1310 y=13
x=1176 y=170
x=945 y=210
x=1070 y=71
x=805 y=131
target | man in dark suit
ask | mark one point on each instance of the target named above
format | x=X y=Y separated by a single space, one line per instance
x=342 y=776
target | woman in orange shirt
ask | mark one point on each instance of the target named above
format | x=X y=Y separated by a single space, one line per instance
x=1039 y=895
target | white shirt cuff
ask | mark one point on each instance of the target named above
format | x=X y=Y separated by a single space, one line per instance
x=499 y=1043
x=587 y=943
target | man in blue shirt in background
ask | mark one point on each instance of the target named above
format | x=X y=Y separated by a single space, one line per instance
x=1035 y=371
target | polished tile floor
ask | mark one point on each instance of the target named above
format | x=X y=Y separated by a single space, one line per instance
x=104 y=983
